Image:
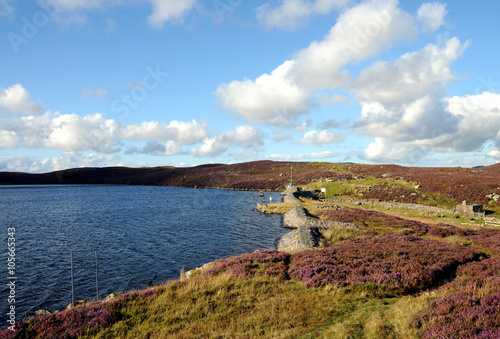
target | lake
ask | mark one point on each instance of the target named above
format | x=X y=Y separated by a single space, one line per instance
x=143 y=234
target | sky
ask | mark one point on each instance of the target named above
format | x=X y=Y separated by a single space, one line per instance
x=94 y=83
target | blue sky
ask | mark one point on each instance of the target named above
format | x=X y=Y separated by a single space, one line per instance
x=170 y=82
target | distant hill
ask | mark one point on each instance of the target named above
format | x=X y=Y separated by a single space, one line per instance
x=455 y=183
x=492 y=168
x=250 y=175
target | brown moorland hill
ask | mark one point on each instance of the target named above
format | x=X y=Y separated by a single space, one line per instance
x=492 y=168
x=454 y=183
x=268 y=175
x=457 y=183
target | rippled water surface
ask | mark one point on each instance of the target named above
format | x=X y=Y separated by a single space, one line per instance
x=143 y=235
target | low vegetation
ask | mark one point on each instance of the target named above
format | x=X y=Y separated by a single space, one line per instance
x=469 y=307
x=398 y=278
x=456 y=184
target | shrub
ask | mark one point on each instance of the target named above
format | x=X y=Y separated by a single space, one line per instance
x=455 y=183
x=385 y=192
x=471 y=310
x=397 y=263
x=66 y=324
x=375 y=219
x=269 y=262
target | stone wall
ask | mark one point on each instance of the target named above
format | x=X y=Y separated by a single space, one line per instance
x=291 y=195
x=299 y=219
x=418 y=207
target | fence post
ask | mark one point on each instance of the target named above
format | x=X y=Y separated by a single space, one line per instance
x=72 y=281
x=72 y=273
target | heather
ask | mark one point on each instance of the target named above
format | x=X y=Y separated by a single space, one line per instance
x=485 y=239
x=398 y=263
x=398 y=278
x=385 y=192
x=269 y=262
x=469 y=309
x=456 y=183
x=376 y=220
x=66 y=324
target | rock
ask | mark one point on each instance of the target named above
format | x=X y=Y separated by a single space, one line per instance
x=110 y=297
x=289 y=242
x=328 y=207
x=493 y=196
x=42 y=312
x=262 y=208
x=78 y=303
x=188 y=274
x=295 y=217
x=30 y=315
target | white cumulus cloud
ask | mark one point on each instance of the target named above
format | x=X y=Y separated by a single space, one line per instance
x=403 y=100
x=6 y=7
x=70 y=132
x=71 y=5
x=280 y=97
x=169 y=10
x=17 y=100
x=271 y=99
x=476 y=125
x=322 y=137
x=290 y=14
x=243 y=136
x=100 y=93
x=479 y=122
x=168 y=148
x=182 y=132
x=8 y=139
x=75 y=10
x=495 y=152
x=387 y=151
x=67 y=160
x=431 y=16
x=304 y=156
x=361 y=32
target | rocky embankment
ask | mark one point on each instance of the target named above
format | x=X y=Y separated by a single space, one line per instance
x=306 y=228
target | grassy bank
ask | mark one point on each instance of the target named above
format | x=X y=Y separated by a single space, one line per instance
x=406 y=275
x=398 y=279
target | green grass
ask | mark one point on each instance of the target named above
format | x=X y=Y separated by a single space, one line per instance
x=227 y=306
x=332 y=236
x=352 y=190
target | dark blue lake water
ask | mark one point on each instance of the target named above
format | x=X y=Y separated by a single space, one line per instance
x=143 y=235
